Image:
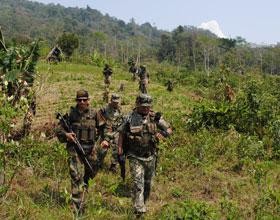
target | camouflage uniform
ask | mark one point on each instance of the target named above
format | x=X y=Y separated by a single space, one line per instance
x=84 y=126
x=144 y=79
x=138 y=133
x=109 y=120
x=134 y=70
x=107 y=72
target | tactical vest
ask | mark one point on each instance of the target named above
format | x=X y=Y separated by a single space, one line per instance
x=84 y=125
x=141 y=135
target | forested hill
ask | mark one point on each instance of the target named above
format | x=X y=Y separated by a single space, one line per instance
x=22 y=19
x=186 y=46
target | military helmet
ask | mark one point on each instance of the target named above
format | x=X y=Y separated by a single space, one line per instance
x=115 y=98
x=144 y=100
x=82 y=94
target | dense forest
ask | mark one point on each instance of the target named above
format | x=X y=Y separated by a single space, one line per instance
x=186 y=46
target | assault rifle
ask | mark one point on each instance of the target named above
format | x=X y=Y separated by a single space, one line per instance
x=121 y=160
x=162 y=131
x=64 y=120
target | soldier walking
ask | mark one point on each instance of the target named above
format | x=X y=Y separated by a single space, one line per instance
x=144 y=79
x=82 y=121
x=139 y=135
x=110 y=118
x=133 y=69
x=107 y=72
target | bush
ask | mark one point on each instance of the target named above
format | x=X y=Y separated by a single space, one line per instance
x=188 y=210
x=275 y=134
x=251 y=114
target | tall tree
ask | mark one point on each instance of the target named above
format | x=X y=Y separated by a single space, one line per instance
x=68 y=42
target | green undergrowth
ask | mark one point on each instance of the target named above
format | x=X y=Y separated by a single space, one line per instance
x=218 y=164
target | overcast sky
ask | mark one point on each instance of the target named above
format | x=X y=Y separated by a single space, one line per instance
x=258 y=21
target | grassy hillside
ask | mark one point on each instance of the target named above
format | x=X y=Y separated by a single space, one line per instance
x=209 y=172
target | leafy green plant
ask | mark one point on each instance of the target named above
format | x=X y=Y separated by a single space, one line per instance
x=188 y=210
x=210 y=116
x=229 y=209
x=275 y=134
x=267 y=206
x=68 y=42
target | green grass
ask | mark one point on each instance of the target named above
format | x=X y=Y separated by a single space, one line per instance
x=197 y=175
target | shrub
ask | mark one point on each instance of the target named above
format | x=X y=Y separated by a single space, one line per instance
x=188 y=210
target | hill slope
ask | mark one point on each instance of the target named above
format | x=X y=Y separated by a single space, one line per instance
x=23 y=19
x=196 y=177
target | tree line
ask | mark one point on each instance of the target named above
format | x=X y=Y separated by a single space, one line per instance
x=186 y=46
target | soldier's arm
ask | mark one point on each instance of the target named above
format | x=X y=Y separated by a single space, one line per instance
x=101 y=125
x=62 y=133
x=164 y=127
x=100 y=122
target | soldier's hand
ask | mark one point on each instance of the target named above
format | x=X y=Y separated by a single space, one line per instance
x=70 y=136
x=159 y=136
x=105 y=144
x=169 y=131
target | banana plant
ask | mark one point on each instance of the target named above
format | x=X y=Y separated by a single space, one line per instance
x=17 y=75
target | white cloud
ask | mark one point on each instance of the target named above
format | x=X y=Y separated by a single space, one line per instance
x=214 y=27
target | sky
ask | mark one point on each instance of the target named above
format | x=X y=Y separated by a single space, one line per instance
x=257 y=21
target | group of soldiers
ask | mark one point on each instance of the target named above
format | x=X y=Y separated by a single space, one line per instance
x=137 y=73
x=141 y=73
x=89 y=133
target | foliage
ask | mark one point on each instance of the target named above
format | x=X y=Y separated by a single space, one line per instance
x=17 y=69
x=95 y=31
x=7 y=114
x=99 y=60
x=251 y=113
x=197 y=174
x=218 y=116
x=68 y=42
x=275 y=134
x=267 y=207
x=188 y=210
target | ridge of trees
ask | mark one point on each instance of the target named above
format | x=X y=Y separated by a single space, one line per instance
x=186 y=46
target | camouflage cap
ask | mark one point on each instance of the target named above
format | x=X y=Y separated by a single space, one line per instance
x=82 y=94
x=144 y=100
x=115 y=98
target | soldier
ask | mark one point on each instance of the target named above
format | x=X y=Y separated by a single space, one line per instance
x=110 y=118
x=133 y=69
x=144 y=79
x=83 y=122
x=139 y=135
x=107 y=72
